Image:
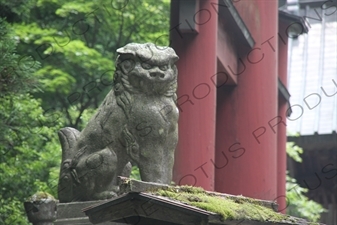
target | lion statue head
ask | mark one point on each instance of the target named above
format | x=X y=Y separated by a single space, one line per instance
x=146 y=68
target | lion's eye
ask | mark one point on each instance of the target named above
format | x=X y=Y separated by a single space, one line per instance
x=146 y=66
x=163 y=68
x=127 y=65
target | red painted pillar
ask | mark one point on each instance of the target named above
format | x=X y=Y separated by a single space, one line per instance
x=246 y=144
x=196 y=96
x=281 y=129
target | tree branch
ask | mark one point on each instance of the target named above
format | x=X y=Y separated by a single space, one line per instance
x=120 y=30
x=65 y=106
x=83 y=107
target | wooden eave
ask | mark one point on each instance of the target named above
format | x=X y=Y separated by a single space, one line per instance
x=284 y=93
x=288 y=19
x=144 y=208
x=316 y=142
x=234 y=40
x=228 y=12
x=315 y=3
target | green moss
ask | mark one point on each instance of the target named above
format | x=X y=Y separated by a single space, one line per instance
x=126 y=181
x=192 y=190
x=230 y=208
x=41 y=197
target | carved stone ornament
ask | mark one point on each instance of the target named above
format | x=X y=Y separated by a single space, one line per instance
x=135 y=124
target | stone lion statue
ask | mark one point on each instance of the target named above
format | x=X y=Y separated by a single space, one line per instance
x=136 y=123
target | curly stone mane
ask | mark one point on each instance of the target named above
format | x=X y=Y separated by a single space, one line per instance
x=128 y=62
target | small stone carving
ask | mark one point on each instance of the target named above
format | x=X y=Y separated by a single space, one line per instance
x=137 y=123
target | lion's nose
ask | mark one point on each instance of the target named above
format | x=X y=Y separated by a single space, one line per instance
x=157 y=74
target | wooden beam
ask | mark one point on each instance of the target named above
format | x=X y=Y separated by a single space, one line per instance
x=316 y=142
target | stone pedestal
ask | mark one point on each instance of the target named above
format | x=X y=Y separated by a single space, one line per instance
x=71 y=214
x=41 y=213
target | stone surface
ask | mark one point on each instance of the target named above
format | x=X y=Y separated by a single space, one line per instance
x=129 y=185
x=137 y=123
x=71 y=213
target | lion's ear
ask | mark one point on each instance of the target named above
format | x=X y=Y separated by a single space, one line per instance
x=126 y=51
x=174 y=58
x=127 y=65
x=172 y=54
x=167 y=54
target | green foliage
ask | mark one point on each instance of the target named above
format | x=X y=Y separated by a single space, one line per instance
x=16 y=10
x=15 y=70
x=28 y=143
x=12 y=212
x=30 y=154
x=76 y=41
x=299 y=204
x=294 y=151
x=135 y=174
x=57 y=64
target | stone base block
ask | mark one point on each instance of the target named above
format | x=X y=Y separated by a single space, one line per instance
x=71 y=214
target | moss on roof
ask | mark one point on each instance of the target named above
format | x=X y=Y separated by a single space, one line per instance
x=229 y=208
